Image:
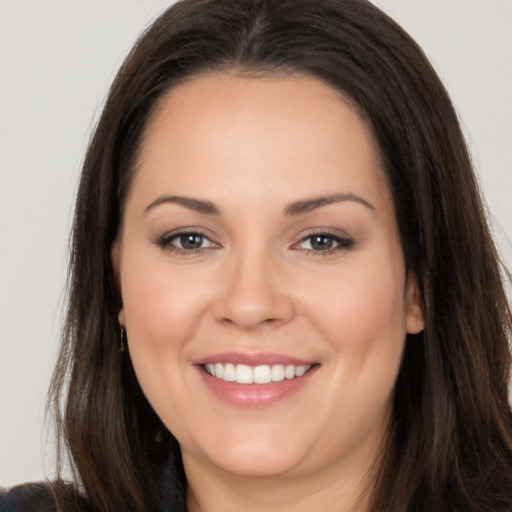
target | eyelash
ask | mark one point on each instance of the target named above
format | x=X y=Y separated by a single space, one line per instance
x=340 y=243
x=166 y=242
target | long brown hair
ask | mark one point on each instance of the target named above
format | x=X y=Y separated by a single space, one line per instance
x=451 y=437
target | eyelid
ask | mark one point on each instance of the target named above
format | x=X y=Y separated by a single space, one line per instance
x=343 y=241
x=165 y=241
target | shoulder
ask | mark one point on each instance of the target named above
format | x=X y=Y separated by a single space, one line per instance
x=41 y=497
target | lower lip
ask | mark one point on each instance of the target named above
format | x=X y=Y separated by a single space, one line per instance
x=255 y=395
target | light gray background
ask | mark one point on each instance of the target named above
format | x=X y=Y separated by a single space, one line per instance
x=57 y=59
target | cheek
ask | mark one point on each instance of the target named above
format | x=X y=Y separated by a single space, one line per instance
x=162 y=308
x=361 y=316
x=370 y=299
x=162 y=311
x=160 y=303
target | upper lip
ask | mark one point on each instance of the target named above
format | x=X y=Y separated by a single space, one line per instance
x=252 y=359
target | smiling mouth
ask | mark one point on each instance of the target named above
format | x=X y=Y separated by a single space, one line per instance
x=262 y=374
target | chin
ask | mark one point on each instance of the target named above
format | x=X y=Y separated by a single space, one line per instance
x=261 y=465
x=255 y=456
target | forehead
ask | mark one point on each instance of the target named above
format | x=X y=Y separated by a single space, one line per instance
x=255 y=131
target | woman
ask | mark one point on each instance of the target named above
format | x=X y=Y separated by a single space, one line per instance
x=283 y=292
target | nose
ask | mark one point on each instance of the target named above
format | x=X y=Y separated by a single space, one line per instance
x=253 y=293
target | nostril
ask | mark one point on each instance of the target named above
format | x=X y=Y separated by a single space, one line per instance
x=250 y=322
x=252 y=296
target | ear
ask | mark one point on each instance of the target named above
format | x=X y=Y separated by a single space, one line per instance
x=414 y=317
x=114 y=256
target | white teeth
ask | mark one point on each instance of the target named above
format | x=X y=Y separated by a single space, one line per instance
x=243 y=374
x=219 y=370
x=300 y=371
x=229 y=372
x=263 y=374
x=289 y=372
x=277 y=372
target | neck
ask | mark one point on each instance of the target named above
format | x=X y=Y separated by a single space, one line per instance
x=332 y=489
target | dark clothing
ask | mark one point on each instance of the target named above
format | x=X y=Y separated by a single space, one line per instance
x=38 y=497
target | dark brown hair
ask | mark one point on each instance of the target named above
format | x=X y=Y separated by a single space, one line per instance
x=451 y=442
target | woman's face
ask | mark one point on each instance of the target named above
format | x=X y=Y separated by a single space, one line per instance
x=260 y=245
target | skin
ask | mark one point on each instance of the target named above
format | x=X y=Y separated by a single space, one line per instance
x=252 y=146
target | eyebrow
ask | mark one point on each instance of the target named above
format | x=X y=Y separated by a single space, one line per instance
x=197 y=205
x=308 y=205
x=295 y=208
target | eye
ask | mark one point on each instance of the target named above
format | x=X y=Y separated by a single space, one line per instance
x=324 y=243
x=186 y=242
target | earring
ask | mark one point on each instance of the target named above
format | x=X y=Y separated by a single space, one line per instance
x=121 y=347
